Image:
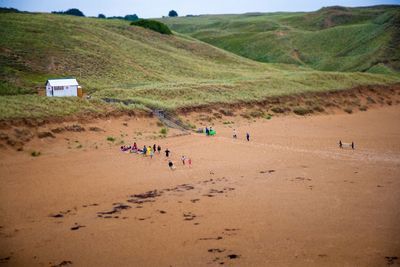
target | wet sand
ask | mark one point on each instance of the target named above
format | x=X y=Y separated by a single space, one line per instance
x=289 y=197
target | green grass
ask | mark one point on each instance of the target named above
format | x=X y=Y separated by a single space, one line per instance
x=113 y=59
x=35 y=153
x=111 y=139
x=164 y=131
x=333 y=39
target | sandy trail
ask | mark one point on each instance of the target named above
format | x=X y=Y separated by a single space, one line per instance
x=289 y=197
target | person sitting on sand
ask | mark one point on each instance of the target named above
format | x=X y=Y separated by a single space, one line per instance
x=125 y=148
x=159 y=149
x=134 y=147
x=167 y=152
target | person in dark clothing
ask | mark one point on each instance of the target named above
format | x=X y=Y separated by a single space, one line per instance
x=159 y=149
x=167 y=152
x=248 y=136
x=207 y=131
x=171 y=165
x=154 y=148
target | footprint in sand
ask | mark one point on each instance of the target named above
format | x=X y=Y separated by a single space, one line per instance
x=5 y=260
x=269 y=171
x=189 y=216
x=233 y=256
x=391 y=260
x=76 y=227
x=63 y=263
x=216 y=250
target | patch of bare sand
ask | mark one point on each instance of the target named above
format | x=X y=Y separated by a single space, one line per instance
x=288 y=197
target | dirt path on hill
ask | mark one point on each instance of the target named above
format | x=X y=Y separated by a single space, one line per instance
x=289 y=197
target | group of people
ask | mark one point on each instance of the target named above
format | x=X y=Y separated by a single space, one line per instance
x=146 y=150
x=151 y=150
x=234 y=135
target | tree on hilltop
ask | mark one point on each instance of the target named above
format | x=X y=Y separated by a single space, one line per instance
x=133 y=17
x=74 y=12
x=71 y=11
x=101 y=16
x=173 y=13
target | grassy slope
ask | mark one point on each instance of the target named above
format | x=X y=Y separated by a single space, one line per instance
x=335 y=38
x=113 y=59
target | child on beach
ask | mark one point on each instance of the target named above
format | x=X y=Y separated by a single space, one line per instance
x=154 y=148
x=190 y=162
x=183 y=159
x=159 y=149
x=167 y=153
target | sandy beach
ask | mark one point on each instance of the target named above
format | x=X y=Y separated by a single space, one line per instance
x=289 y=197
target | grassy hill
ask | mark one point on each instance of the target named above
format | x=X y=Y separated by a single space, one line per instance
x=110 y=58
x=330 y=39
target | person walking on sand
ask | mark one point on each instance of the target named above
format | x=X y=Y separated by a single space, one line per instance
x=190 y=162
x=154 y=148
x=183 y=159
x=148 y=150
x=144 y=150
x=234 y=134
x=151 y=153
x=167 y=152
x=159 y=149
x=248 y=137
x=171 y=165
x=207 y=131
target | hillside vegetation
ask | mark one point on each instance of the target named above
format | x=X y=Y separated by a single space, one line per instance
x=113 y=59
x=330 y=39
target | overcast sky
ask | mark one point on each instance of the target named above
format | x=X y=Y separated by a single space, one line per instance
x=158 y=8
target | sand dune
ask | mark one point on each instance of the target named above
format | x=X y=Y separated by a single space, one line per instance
x=289 y=197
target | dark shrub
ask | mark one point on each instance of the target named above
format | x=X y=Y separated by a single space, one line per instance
x=152 y=25
x=173 y=13
x=71 y=11
x=363 y=108
x=348 y=110
x=302 y=111
x=133 y=17
x=318 y=109
x=278 y=110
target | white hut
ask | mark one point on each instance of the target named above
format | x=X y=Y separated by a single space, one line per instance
x=62 y=87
